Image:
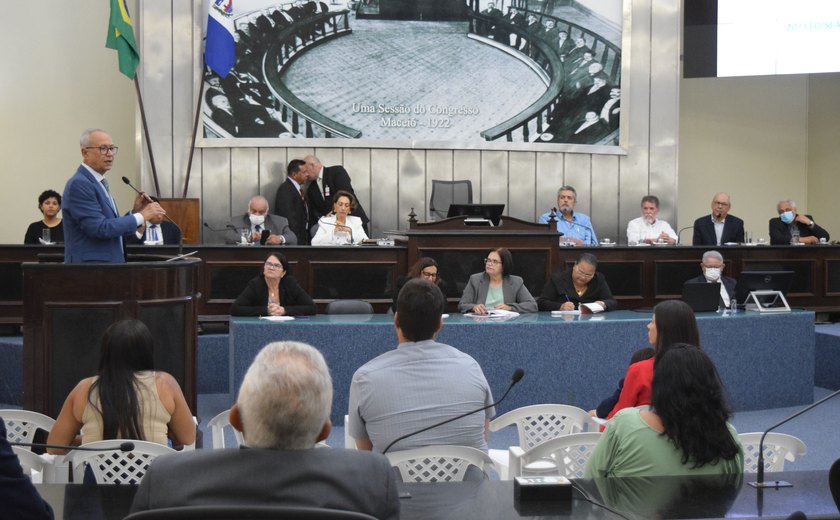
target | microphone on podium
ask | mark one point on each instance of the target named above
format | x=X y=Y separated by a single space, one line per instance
x=180 y=232
x=517 y=375
x=759 y=481
x=124 y=446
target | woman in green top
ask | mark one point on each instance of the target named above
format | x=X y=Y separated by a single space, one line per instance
x=684 y=433
x=496 y=288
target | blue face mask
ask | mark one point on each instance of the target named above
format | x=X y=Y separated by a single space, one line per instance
x=787 y=217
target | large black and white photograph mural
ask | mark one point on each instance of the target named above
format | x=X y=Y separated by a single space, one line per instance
x=476 y=73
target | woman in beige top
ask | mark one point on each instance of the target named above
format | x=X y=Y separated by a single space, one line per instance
x=126 y=399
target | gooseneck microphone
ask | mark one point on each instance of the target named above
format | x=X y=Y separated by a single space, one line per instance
x=759 y=481
x=180 y=232
x=517 y=375
x=578 y=224
x=124 y=446
x=679 y=233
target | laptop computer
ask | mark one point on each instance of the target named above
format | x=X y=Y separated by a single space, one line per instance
x=702 y=297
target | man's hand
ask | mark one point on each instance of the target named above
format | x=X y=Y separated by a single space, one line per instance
x=151 y=210
x=140 y=201
x=274 y=240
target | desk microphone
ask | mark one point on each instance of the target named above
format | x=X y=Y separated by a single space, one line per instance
x=125 y=446
x=759 y=481
x=180 y=232
x=576 y=224
x=322 y=221
x=680 y=232
x=517 y=375
x=220 y=230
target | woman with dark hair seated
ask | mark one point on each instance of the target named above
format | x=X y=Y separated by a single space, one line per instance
x=49 y=204
x=425 y=268
x=672 y=322
x=273 y=293
x=566 y=290
x=684 y=433
x=127 y=398
x=496 y=287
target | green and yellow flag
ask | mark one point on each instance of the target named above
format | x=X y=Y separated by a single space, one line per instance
x=121 y=38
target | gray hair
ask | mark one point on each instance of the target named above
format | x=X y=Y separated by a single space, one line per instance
x=567 y=188
x=712 y=254
x=286 y=397
x=84 y=140
x=258 y=198
x=789 y=201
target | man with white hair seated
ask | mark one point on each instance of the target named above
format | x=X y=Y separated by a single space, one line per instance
x=283 y=410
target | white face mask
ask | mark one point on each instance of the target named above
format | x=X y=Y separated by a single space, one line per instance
x=712 y=274
x=257 y=220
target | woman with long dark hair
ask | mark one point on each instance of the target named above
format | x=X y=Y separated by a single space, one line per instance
x=127 y=398
x=673 y=322
x=686 y=431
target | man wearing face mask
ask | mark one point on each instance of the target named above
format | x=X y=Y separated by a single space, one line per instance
x=712 y=267
x=258 y=220
x=790 y=223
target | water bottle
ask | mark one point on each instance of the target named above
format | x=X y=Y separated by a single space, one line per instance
x=794 y=237
x=733 y=305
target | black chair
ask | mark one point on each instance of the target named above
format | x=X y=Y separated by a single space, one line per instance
x=247 y=512
x=834 y=482
x=349 y=307
x=445 y=193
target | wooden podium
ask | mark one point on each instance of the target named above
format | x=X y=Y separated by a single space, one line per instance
x=67 y=308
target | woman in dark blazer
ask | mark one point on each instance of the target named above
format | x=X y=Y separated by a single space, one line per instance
x=273 y=293
x=566 y=290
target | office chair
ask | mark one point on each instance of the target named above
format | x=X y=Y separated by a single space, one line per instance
x=834 y=482
x=349 y=307
x=445 y=193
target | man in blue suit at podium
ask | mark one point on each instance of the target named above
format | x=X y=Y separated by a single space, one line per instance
x=93 y=227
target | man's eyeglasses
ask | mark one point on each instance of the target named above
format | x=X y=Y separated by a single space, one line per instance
x=492 y=261
x=719 y=203
x=272 y=265
x=104 y=149
x=426 y=274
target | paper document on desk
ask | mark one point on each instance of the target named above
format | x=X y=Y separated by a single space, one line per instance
x=585 y=308
x=565 y=313
x=494 y=315
x=277 y=318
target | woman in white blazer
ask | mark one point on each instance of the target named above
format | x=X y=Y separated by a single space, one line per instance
x=340 y=228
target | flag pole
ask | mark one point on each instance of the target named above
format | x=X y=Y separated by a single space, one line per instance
x=146 y=134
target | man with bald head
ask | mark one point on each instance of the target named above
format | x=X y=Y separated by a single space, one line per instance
x=93 y=227
x=324 y=183
x=258 y=220
x=719 y=227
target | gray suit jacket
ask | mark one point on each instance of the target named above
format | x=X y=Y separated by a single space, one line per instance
x=513 y=288
x=275 y=223
x=330 y=478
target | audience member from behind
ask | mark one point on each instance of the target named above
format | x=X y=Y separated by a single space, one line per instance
x=719 y=227
x=686 y=431
x=648 y=229
x=49 y=204
x=574 y=225
x=283 y=410
x=425 y=268
x=606 y=406
x=19 y=497
x=712 y=266
x=257 y=220
x=418 y=384
x=127 y=398
x=340 y=228
x=790 y=223
x=566 y=290
x=672 y=322
x=273 y=293
x=93 y=227
x=496 y=287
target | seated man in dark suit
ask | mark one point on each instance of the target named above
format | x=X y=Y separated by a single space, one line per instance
x=790 y=222
x=712 y=266
x=283 y=410
x=719 y=227
x=257 y=221
x=156 y=231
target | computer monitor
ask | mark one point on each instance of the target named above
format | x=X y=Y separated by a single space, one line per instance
x=491 y=212
x=749 y=281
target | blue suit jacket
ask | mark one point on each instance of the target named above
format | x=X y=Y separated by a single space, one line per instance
x=92 y=229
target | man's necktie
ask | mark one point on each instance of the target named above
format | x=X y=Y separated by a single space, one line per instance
x=153 y=228
x=110 y=197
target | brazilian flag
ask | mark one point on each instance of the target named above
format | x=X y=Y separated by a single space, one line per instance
x=121 y=38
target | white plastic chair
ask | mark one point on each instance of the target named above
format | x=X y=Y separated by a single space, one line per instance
x=537 y=424
x=218 y=425
x=115 y=466
x=22 y=424
x=32 y=464
x=778 y=447
x=438 y=463
x=565 y=456
x=349 y=442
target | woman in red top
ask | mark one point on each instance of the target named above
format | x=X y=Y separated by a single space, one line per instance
x=673 y=322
